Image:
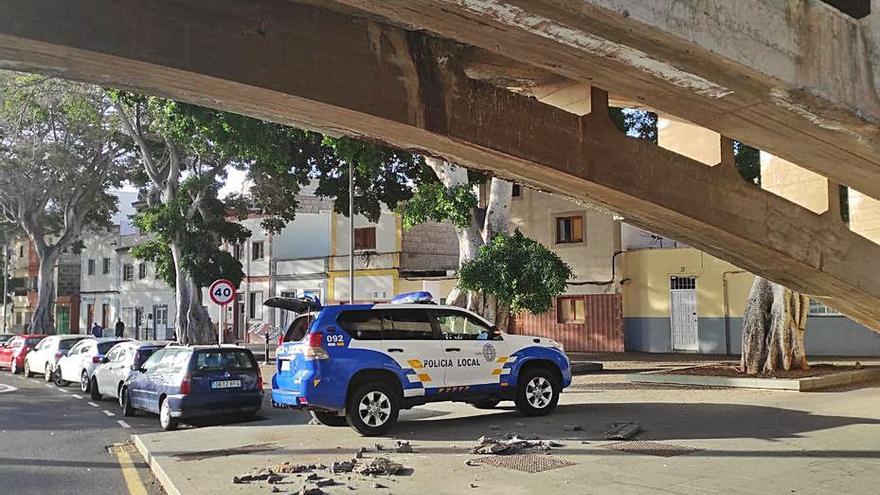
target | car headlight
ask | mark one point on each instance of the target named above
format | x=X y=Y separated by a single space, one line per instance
x=557 y=345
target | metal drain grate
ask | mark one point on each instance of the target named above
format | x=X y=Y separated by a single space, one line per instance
x=651 y=448
x=527 y=463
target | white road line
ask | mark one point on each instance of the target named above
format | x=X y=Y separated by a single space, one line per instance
x=76 y=396
x=92 y=404
x=62 y=390
x=7 y=388
x=123 y=423
x=108 y=413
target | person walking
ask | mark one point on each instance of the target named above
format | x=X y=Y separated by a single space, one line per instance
x=120 y=328
x=97 y=331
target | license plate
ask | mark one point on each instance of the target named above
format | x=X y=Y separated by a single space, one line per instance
x=285 y=365
x=226 y=384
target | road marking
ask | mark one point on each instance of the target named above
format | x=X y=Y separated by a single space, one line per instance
x=7 y=388
x=92 y=404
x=129 y=472
x=62 y=390
x=108 y=413
x=76 y=396
x=48 y=384
x=123 y=423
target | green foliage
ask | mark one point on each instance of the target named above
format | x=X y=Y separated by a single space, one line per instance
x=433 y=202
x=198 y=235
x=748 y=162
x=639 y=124
x=517 y=270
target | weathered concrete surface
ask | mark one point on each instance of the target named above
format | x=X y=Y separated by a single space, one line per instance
x=794 y=78
x=307 y=66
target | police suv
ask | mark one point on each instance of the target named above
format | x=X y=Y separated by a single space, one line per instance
x=360 y=364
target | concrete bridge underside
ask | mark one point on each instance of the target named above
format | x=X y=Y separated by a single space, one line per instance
x=454 y=78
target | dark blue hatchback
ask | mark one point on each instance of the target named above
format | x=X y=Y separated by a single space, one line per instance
x=180 y=382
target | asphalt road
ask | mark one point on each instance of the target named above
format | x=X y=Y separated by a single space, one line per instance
x=52 y=440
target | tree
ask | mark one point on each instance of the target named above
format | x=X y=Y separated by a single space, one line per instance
x=773 y=329
x=519 y=272
x=59 y=154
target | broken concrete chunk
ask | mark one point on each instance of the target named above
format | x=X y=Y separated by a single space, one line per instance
x=495 y=446
x=322 y=482
x=288 y=468
x=378 y=485
x=379 y=447
x=310 y=489
x=403 y=447
x=622 y=431
x=378 y=465
x=261 y=475
x=341 y=467
x=274 y=479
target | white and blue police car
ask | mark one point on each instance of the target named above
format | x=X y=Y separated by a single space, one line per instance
x=359 y=364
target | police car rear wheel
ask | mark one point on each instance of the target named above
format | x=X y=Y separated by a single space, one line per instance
x=372 y=409
x=537 y=392
x=329 y=418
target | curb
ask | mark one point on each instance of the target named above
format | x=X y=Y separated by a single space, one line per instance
x=792 y=384
x=157 y=470
x=585 y=367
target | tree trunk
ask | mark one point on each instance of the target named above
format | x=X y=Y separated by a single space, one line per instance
x=199 y=328
x=773 y=329
x=43 y=319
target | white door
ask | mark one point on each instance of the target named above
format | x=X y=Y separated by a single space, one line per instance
x=471 y=350
x=683 y=293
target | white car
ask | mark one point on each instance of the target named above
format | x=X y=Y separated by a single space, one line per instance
x=121 y=361
x=44 y=358
x=81 y=360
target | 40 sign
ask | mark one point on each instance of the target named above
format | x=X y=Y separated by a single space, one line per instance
x=222 y=292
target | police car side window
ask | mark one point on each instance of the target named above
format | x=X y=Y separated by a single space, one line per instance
x=407 y=324
x=362 y=325
x=460 y=326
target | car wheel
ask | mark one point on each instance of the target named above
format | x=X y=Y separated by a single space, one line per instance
x=93 y=390
x=13 y=367
x=56 y=377
x=125 y=403
x=486 y=403
x=47 y=374
x=372 y=409
x=84 y=382
x=537 y=392
x=165 y=420
x=27 y=369
x=329 y=418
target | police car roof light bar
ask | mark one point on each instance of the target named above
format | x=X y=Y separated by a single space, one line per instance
x=419 y=297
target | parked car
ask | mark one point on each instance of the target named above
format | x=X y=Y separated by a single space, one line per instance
x=14 y=350
x=44 y=358
x=181 y=382
x=122 y=360
x=4 y=337
x=77 y=364
x=360 y=364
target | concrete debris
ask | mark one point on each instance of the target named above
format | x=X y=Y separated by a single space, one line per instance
x=289 y=468
x=515 y=445
x=622 y=431
x=274 y=479
x=261 y=475
x=378 y=465
x=378 y=486
x=379 y=447
x=403 y=447
x=275 y=489
x=341 y=467
x=310 y=489
x=322 y=482
x=572 y=428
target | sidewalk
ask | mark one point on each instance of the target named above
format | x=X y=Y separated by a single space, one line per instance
x=750 y=441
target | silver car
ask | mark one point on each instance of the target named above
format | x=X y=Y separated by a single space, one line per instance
x=123 y=359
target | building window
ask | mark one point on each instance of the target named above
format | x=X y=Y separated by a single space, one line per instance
x=236 y=251
x=365 y=238
x=517 y=191
x=90 y=267
x=569 y=229
x=105 y=266
x=127 y=272
x=255 y=303
x=142 y=271
x=571 y=310
x=257 y=250
x=819 y=309
x=21 y=251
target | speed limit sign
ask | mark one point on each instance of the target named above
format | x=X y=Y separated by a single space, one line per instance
x=222 y=292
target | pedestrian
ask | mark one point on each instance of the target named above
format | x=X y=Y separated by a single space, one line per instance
x=120 y=327
x=97 y=331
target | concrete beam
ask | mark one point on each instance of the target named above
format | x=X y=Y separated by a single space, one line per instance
x=304 y=65
x=794 y=78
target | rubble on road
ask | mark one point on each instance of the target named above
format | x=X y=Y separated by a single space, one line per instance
x=308 y=489
x=342 y=467
x=377 y=466
x=497 y=446
x=403 y=447
x=622 y=431
x=261 y=475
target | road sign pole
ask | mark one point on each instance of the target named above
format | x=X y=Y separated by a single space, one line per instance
x=222 y=324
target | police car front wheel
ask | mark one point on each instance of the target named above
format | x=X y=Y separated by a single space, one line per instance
x=372 y=409
x=537 y=392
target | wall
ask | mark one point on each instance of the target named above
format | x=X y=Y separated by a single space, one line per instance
x=431 y=246
x=602 y=330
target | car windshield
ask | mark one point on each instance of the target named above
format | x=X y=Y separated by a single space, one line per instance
x=104 y=347
x=223 y=359
x=32 y=341
x=65 y=344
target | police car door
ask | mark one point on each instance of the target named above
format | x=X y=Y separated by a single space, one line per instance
x=409 y=338
x=476 y=352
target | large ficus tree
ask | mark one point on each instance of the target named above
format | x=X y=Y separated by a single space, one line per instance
x=59 y=154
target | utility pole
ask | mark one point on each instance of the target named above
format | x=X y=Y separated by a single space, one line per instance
x=5 y=282
x=350 y=233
